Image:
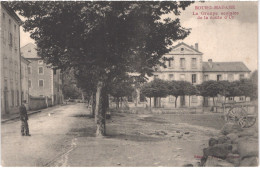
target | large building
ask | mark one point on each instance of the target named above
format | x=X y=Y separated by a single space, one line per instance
x=185 y=62
x=43 y=80
x=10 y=61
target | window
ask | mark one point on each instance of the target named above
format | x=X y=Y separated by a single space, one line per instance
x=162 y=77
x=219 y=77
x=182 y=49
x=169 y=64
x=10 y=39
x=194 y=99
x=156 y=76
x=241 y=76
x=182 y=62
x=29 y=83
x=54 y=71
x=29 y=70
x=230 y=77
x=5 y=83
x=12 y=95
x=193 y=78
x=3 y=15
x=171 y=77
x=15 y=27
x=206 y=77
x=40 y=83
x=241 y=98
x=171 y=99
x=17 y=98
x=40 y=71
x=193 y=63
x=40 y=62
x=182 y=77
x=230 y=98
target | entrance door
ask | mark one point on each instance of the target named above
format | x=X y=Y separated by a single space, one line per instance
x=182 y=100
x=6 y=101
x=206 y=101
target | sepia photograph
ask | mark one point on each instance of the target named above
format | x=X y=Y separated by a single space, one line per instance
x=129 y=83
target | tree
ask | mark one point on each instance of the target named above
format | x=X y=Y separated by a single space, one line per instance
x=111 y=37
x=156 y=88
x=208 y=89
x=69 y=86
x=121 y=88
x=224 y=88
x=247 y=88
x=190 y=90
x=254 y=79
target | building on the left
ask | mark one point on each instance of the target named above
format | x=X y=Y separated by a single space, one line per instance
x=11 y=86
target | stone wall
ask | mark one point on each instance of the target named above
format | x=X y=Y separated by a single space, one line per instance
x=233 y=147
x=37 y=103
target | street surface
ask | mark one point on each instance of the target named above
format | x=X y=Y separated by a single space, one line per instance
x=65 y=136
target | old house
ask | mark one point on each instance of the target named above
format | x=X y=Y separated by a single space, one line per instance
x=44 y=81
x=10 y=60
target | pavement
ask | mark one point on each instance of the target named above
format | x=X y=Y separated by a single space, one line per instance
x=64 y=136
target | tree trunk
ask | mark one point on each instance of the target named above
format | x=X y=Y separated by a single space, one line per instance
x=121 y=101
x=189 y=101
x=150 y=102
x=213 y=101
x=154 y=102
x=101 y=107
x=176 y=97
x=93 y=104
x=117 y=102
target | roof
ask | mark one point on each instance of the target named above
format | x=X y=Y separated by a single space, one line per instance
x=29 y=51
x=24 y=60
x=12 y=13
x=182 y=43
x=225 y=67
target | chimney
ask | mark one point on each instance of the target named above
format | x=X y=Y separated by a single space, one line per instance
x=210 y=63
x=197 y=46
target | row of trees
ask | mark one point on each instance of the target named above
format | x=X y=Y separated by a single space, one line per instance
x=160 y=88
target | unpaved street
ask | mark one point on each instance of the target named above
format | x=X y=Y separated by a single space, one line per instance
x=65 y=136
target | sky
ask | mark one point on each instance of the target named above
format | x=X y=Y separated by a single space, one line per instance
x=219 y=39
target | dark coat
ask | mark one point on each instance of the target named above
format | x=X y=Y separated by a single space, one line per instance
x=23 y=113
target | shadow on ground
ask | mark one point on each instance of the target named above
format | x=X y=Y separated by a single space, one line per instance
x=83 y=115
x=137 y=137
x=153 y=119
x=83 y=132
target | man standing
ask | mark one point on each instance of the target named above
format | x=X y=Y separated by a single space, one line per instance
x=24 y=118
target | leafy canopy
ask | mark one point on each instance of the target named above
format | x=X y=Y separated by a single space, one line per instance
x=131 y=36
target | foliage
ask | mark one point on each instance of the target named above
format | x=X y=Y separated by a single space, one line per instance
x=155 y=88
x=247 y=88
x=106 y=35
x=121 y=88
x=69 y=87
x=180 y=88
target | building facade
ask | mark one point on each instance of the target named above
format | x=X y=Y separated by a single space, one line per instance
x=10 y=61
x=185 y=63
x=43 y=81
x=24 y=79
